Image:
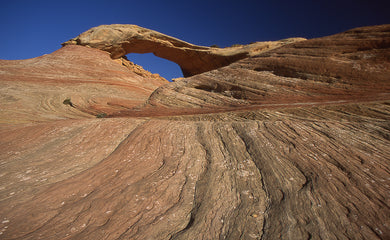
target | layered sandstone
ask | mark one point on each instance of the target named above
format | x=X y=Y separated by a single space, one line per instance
x=346 y=67
x=34 y=90
x=122 y=39
x=291 y=143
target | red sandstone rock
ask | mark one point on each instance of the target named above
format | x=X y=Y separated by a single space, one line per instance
x=292 y=143
x=122 y=39
x=34 y=90
x=346 y=67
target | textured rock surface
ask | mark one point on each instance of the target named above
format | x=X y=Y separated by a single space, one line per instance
x=304 y=155
x=119 y=40
x=34 y=90
x=350 y=66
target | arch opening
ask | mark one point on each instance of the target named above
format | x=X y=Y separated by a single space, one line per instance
x=165 y=68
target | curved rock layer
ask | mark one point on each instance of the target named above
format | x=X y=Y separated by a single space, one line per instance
x=346 y=67
x=122 y=39
x=289 y=174
x=310 y=162
x=73 y=82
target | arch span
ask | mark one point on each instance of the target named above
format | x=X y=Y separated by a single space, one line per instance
x=120 y=40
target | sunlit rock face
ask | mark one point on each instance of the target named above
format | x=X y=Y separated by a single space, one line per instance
x=287 y=143
x=35 y=90
x=122 y=39
x=346 y=67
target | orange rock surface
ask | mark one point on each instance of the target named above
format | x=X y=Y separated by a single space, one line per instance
x=122 y=39
x=287 y=143
x=33 y=90
x=346 y=67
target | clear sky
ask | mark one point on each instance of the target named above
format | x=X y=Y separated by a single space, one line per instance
x=31 y=28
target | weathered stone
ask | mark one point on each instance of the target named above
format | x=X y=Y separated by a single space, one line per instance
x=122 y=39
x=291 y=144
x=346 y=67
x=33 y=90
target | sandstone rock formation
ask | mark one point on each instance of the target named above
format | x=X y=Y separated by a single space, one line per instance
x=290 y=143
x=119 y=40
x=34 y=90
x=346 y=67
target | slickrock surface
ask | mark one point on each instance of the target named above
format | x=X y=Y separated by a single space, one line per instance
x=346 y=67
x=292 y=143
x=122 y=39
x=33 y=90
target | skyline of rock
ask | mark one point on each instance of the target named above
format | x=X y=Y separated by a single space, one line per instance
x=290 y=140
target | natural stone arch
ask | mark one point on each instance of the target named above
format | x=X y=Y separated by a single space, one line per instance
x=120 y=40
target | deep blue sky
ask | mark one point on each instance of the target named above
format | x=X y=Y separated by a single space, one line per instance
x=31 y=28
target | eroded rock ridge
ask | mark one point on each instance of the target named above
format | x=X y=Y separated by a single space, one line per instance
x=288 y=143
x=122 y=39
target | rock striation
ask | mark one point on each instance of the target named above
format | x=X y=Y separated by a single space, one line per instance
x=346 y=67
x=288 y=143
x=34 y=90
x=122 y=39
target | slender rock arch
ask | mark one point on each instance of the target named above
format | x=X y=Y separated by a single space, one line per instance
x=119 y=40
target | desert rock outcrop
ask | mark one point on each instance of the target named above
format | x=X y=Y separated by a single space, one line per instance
x=288 y=143
x=122 y=39
x=34 y=90
x=345 y=67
